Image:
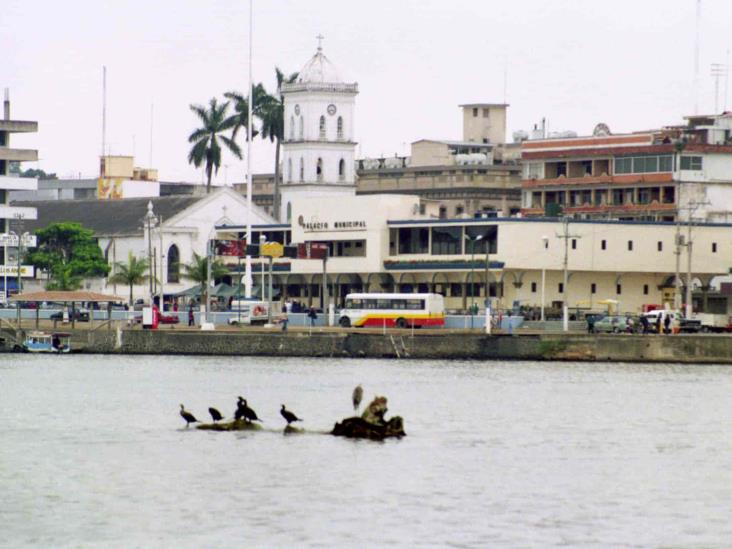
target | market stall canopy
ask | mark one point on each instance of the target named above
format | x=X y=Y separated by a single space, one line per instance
x=66 y=297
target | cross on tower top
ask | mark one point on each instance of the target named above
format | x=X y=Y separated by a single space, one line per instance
x=320 y=38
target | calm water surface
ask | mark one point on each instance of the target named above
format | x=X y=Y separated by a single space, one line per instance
x=498 y=454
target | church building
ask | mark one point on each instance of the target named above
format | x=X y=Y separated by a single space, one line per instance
x=318 y=153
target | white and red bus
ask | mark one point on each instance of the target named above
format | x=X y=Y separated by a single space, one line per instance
x=400 y=310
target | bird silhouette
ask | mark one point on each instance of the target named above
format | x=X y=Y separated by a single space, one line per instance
x=189 y=417
x=289 y=416
x=356 y=397
x=239 y=414
x=215 y=414
x=248 y=414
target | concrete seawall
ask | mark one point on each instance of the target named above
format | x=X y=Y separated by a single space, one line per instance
x=677 y=348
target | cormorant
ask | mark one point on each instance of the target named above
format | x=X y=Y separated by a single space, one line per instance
x=215 y=414
x=289 y=416
x=357 y=396
x=239 y=414
x=249 y=414
x=189 y=417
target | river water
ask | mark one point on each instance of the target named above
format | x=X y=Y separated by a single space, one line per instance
x=498 y=454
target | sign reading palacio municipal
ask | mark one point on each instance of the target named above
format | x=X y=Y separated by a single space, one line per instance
x=351 y=225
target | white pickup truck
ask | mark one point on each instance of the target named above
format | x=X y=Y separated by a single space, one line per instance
x=709 y=322
x=249 y=312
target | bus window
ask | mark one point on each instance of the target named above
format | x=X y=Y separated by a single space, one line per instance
x=354 y=304
x=369 y=304
x=398 y=304
x=383 y=303
x=415 y=304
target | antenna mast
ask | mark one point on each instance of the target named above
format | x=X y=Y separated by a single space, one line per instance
x=696 y=58
x=104 y=111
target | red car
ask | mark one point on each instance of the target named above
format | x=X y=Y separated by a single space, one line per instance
x=163 y=319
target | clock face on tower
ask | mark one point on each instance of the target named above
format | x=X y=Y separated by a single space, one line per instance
x=297 y=110
x=331 y=109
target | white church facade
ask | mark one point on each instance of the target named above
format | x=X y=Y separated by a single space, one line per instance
x=318 y=153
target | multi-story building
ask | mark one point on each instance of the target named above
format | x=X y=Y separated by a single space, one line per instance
x=683 y=171
x=8 y=182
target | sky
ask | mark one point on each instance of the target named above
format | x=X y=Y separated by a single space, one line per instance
x=627 y=63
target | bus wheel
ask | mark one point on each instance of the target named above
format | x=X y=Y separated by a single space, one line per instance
x=345 y=322
x=401 y=323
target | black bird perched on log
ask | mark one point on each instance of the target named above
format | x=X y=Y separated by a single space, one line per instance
x=239 y=414
x=215 y=414
x=248 y=414
x=189 y=417
x=289 y=416
x=356 y=397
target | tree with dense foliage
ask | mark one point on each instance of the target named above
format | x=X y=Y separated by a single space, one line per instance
x=206 y=149
x=197 y=271
x=241 y=108
x=272 y=115
x=68 y=252
x=130 y=273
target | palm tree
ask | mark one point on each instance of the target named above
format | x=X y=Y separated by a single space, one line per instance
x=130 y=273
x=272 y=115
x=63 y=279
x=206 y=138
x=241 y=108
x=197 y=271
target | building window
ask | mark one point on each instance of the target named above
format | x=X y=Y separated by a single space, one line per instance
x=593 y=288
x=659 y=245
x=645 y=289
x=475 y=112
x=319 y=169
x=618 y=289
x=292 y=128
x=173 y=264
x=414 y=240
x=603 y=244
x=691 y=163
x=447 y=240
x=443 y=212
x=561 y=287
x=630 y=245
x=459 y=211
x=289 y=211
x=644 y=164
x=341 y=170
x=302 y=128
x=533 y=287
x=574 y=243
x=322 y=127
x=340 y=127
x=486 y=113
x=714 y=247
x=302 y=170
x=289 y=169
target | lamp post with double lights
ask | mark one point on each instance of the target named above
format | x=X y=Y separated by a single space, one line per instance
x=472 y=241
x=545 y=241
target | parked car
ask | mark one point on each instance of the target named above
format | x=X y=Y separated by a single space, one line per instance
x=614 y=324
x=162 y=319
x=79 y=315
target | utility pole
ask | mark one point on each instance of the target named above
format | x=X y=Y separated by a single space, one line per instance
x=565 y=306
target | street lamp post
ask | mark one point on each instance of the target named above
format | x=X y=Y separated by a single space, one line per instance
x=545 y=240
x=472 y=274
x=150 y=219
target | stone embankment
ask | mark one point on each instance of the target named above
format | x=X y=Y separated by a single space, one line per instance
x=467 y=346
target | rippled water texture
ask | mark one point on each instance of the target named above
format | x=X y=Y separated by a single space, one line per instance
x=509 y=454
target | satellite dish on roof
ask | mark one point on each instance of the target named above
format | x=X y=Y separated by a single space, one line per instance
x=601 y=130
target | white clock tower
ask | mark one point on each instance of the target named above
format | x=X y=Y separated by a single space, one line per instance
x=318 y=150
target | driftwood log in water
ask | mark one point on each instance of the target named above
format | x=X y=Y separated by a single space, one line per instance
x=356 y=427
x=235 y=425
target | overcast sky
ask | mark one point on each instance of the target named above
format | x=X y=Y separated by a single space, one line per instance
x=628 y=63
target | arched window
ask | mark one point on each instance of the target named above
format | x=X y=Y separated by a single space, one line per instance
x=322 y=127
x=340 y=127
x=173 y=264
x=302 y=170
x=289 y=211
x=302 y=128
x=319 y=170
x=289 y=169
x=341 y=170
x=292 y=128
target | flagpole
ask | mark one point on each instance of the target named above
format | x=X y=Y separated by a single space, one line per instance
x=248 y=264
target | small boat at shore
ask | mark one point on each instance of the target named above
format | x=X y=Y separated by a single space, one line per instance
x=42 y=342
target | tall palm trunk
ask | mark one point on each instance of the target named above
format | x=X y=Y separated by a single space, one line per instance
x=276 y=195
x=131 y=284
